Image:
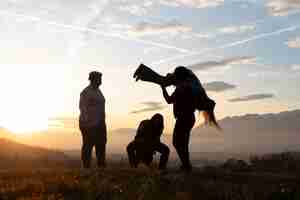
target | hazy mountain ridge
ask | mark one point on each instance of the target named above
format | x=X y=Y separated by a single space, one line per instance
x=13 y=152
x=257 y=133
x=250 y=133
x=282 y=121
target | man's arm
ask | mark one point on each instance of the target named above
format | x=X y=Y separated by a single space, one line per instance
x=169 y=99
x=82 y=103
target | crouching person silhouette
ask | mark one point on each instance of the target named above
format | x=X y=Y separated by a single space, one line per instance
x=147 y=142
x=92 y=121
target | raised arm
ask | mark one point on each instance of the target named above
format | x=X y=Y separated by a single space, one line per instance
x=168 y=98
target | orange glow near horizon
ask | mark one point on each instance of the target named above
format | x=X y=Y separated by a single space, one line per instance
x=28 y=98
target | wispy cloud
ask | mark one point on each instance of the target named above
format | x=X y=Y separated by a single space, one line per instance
x=252 y=97
x=94 y=31
x=218 y=86
x=245 y=60
x=229 y=45
x=146 y=28
x=293 y=43
x=149 y=106
x=237 y=29
x=295 y=67
x=193 y=3
x=283 y=7
x=138 y=8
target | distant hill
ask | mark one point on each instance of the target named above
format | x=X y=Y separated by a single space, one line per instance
x=13 y=153
x=10 y=149
x=246 y=134
x=253 y=133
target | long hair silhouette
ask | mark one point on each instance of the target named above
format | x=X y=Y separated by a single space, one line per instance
x=203 y=103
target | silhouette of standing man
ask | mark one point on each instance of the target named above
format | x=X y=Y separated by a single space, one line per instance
x=92 y=121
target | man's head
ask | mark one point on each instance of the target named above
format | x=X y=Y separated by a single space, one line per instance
x=158 y=121
x=95 y=78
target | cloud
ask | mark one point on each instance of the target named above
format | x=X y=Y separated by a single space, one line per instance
x=230 y=45
x=283 y=7
x=150 y=106
x=295 y=67
x=63 y=123
x=85 y=29
x=218 y=86
x=203 y=35
x=146 y=28
x=244 y=60
x=237 y=29
x=293 y=43
x=134 y=7
x=252 y=97
x=193 y=3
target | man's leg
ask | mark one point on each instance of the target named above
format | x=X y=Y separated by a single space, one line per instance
x=131 y=148
x=164 y=157
x=87 y=146
x=100 y=142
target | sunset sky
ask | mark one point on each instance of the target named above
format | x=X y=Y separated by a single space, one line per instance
x=245 y=52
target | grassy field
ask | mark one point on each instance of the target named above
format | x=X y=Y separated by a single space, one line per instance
x=115 y=183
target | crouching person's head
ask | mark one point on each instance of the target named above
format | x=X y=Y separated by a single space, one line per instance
x=158 y=121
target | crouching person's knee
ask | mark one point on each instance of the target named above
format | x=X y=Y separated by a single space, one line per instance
x=165 y=152
x=131 y=154
x=130 y=148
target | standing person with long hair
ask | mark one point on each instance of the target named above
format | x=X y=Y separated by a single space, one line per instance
x=188 y=97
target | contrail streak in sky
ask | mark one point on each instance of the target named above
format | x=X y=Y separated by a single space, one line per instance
x=95 y=31
x=237 y=43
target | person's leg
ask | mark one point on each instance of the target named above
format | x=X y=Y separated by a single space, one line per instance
x=148 y=158
x=131 y=148
x=100 y=144
x=87 y=146
x=181 y=136
x=178 y=140
x=186 y=132
x=141 y=149
x=164 y=157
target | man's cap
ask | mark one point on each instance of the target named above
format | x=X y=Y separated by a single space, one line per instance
x=94 y=75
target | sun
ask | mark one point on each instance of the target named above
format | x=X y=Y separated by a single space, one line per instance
x=26 y=125
x=24 y=117
x=28 y=97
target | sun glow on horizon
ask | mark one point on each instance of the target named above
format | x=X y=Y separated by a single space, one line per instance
x=29 y=97
x=28 y=125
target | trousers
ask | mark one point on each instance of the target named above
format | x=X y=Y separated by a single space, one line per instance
x=181 y=138
x=93 y=137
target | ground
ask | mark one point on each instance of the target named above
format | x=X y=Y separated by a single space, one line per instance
x=117 y=183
